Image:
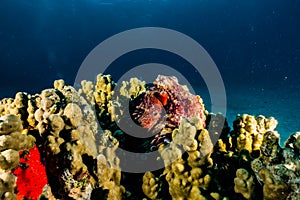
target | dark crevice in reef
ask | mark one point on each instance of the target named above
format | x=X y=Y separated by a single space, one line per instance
x=90 y=163
x=99 y=194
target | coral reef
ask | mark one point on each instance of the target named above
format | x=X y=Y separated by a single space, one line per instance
x=12 y=141
x=278 y=168
x=246 y=163
x=64 y=126
x=63 y=142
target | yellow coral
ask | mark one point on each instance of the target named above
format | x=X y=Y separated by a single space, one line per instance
x=59 y=84
x=9 y=159
x=10 y=123
x=248 y=134
x=87 y=89
x=244 y=184
x=56 y=124
x=185 y=135
x=7 y=186
x=73 y=113
x=273 y=189
x=12 y=140
x=132 y=88
x=186 y=177
x=108 y=169
x=54 y=144
x=150 y=185
x=10 y=135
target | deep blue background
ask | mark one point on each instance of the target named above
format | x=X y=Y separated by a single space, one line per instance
x=255 y=43
x=48 y=39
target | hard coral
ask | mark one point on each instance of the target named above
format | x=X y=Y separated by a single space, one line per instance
x=64 y=125
x=187 y=175
x=12 y=140
x=278 y=168
x=151 y=186
x=244 y=184
x=273 y=189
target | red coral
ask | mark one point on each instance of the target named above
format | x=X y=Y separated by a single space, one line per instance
x=31 y=175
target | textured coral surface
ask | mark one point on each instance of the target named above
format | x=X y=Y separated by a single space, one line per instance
x=31 y=175
x=62 y=144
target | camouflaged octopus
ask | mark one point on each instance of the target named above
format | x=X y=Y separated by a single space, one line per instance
x=163 y=105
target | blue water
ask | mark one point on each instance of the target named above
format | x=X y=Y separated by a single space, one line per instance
x=255 y=45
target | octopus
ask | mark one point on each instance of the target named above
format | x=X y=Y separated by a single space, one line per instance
x=163 y=105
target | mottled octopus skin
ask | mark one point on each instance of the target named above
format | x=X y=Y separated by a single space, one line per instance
x=163 y=105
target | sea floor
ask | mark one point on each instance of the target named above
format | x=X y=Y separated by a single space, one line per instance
x=283 y=103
